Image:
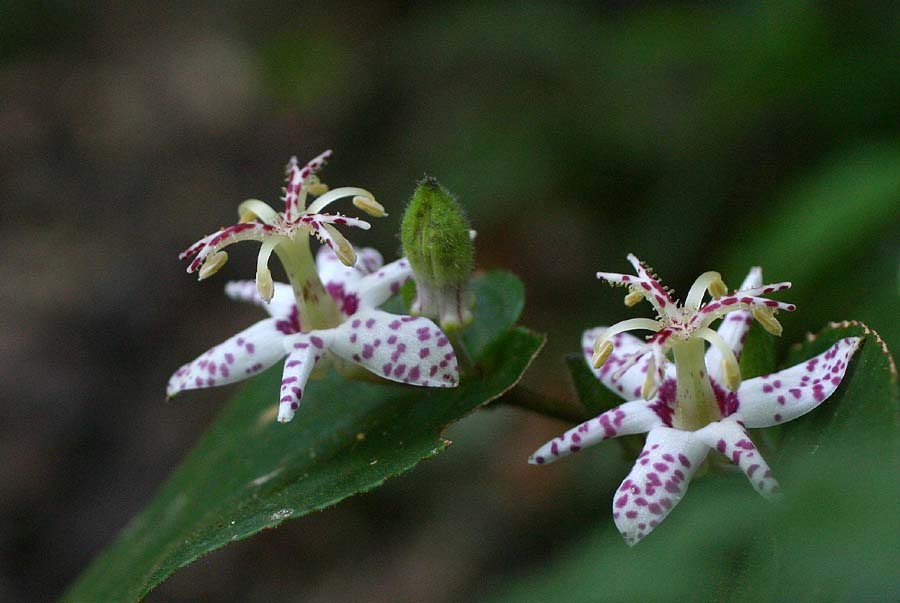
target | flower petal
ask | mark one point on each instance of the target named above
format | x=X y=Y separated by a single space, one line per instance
x=730 y=439
x=237 y=358
x=626 y=384
x=788 y=394
x=332 y=270
x=733 y=329
x=400 y=348
x=376 y=288
x=638 y=416
x=657 y=482
x=282 y=306
x=304 y=350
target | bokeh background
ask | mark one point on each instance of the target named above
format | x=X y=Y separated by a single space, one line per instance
x=698 y=136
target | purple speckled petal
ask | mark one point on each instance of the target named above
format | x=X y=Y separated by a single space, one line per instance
x=376 y=288
x=638 y=416
x=628 y=384
x=786 y=395
x=400 y=348
x=733 y=329
x=657 y=482
x=304 y=351
x=730 y=439
x=281 y=307
x=342 y=282
x=246 y=354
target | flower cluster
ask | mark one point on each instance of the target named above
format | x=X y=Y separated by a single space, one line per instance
x=328 y=313
x=700 y=402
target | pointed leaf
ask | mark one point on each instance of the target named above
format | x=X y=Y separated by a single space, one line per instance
x=249 y=473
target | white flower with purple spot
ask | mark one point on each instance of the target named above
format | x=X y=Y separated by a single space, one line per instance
x=406 y=349
x=311 y=322
x=698 y=404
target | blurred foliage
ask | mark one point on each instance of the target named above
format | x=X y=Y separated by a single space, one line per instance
x=697 y=135
x=249 y=473
x=833 y=539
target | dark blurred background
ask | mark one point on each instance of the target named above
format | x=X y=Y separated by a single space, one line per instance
x=698 y=136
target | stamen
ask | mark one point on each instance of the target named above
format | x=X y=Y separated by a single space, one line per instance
x=731 y=370
x=331 y=196
x=212 y=264
x=370 y=206
x=264 y=282
x=634 y=298
x=650 y=385
x=316 y=187
x=341 y=246
x=767 y=320
x=603 y=347
x=254 y=209
x=711 y=281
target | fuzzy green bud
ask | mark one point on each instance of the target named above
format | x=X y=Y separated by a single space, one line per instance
x=438 y=244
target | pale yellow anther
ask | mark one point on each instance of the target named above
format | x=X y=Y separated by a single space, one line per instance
x=602 y=349
x=767 y=320
x=212 y=264
x=341 y=246
x=633 y=298
x=717 y=287
x=247 y=216
x=731 y=373
x=370 y=206
x=265 y=284
x=317 y=188
x=650 y=386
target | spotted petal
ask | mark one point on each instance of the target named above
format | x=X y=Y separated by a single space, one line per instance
x=626 y=383
x=400 y=348
x=730 y=439
x=376 y=288
x=304 y=351
x=245 y=354
x=657 y=482
x=638 y=416
x=733 y=329
x=786 y=395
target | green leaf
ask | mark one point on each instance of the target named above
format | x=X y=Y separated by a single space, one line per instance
x=594 y=395
x=758 y=355
x=863 y=411
x=249 y=473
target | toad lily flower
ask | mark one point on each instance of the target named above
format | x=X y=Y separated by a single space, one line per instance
x=699 y=403
x=314 y=323
x=399 y=348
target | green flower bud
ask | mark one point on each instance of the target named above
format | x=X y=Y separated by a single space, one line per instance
x=438 y=244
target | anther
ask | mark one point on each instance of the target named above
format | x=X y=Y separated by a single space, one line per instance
x=731 y=371
x=212 y=264
x=767 y=320
x=264 y=284
x=633 y=298
x=717 y=287
x=370 y=206
x=602 y=349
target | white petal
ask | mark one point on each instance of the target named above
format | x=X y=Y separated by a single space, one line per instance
x=400 y=348
x=657 y=482
x=786 y=395
x=376 y=288
x=237 y=358
x=731 y=440
x=628 y=384
x=638 y=416
x=304 y=351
